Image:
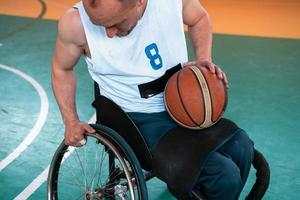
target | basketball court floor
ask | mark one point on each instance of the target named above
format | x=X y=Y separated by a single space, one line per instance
x=256 y=42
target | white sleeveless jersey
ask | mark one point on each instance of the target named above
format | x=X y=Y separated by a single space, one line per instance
x=120 y=64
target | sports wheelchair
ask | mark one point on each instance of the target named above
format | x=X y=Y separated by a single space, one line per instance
x=108 y=167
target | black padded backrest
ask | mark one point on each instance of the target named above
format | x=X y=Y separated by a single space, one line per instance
x=111 y=115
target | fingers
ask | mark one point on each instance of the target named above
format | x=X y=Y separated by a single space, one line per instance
x=225 y=80
x=75 y=140
x=201 y=63
x=75 y=134
x=190 y=63
x=88 y=128
x=211 y=67
x=221 y=75
x=82 y=142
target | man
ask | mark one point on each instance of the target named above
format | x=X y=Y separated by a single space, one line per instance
x=127 y=43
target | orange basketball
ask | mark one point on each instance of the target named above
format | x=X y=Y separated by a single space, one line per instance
x=195 y=98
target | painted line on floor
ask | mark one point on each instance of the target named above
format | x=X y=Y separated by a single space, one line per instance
x=29 y=25
x=39 y=123
x=39 y=180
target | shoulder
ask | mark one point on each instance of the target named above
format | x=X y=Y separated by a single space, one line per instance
x=192 y=11
x=70 y=28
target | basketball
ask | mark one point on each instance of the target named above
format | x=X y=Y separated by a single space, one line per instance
x=195 y=97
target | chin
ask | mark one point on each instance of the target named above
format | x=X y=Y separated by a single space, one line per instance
x=123 y=34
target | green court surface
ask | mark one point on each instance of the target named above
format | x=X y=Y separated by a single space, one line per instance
x=264 y=99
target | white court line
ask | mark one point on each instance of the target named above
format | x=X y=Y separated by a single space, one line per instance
x=38 y=181
x=39 y=123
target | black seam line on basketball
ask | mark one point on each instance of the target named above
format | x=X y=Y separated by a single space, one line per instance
x=184 y=107
x=225 y=104
x=30 y=24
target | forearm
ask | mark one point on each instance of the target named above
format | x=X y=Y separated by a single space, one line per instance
x=200 y=34
x=64 y=88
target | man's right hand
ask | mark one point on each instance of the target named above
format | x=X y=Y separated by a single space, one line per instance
x=75 y=132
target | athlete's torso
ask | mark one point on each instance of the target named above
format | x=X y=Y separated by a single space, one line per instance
x=120 y=64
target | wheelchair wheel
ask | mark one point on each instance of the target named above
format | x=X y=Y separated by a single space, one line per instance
x=104 y=168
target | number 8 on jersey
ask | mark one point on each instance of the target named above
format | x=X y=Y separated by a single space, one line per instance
x=153 y=54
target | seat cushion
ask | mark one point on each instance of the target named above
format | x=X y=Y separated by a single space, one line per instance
x=180 y=154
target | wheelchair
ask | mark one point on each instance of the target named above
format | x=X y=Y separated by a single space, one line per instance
x=107 y=167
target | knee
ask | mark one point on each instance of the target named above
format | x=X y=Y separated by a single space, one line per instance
x=243 y=144
x=226 y=183
x=230 y=178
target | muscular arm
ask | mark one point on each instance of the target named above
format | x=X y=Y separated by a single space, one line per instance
x=200 y=33
x=69 y=47
x=66 y=55
x=199 y=28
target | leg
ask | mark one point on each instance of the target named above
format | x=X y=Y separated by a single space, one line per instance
x=220 y=178
x=240 y=149
x=152 y=125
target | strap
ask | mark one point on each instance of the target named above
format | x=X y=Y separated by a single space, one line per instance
x=157 y=86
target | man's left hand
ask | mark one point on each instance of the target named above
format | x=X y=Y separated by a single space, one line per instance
x=211 y=66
